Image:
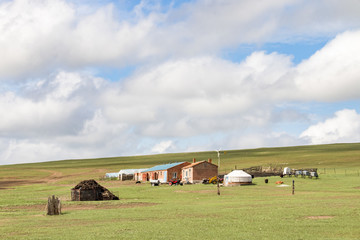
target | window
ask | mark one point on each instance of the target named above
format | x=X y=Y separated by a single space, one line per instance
x=174 y=175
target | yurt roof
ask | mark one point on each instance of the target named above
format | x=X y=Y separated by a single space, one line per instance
x=238 y=173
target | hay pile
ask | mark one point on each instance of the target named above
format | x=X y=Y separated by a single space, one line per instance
x=89 y=185
x=101 y=192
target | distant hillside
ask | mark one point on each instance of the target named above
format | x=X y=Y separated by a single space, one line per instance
x=317 y=156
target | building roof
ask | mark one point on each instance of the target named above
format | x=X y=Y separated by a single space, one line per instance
x=131 y=171
x=197 y=163
x=163 y=167
x=110 y=175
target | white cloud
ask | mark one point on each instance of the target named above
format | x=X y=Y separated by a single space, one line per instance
x=178 y=99
x=343 y=127
x=303 y=20
x=261 y=138
x=22 y=151
x=181 y=91
x=48 y=107
x=332 y=73
x=39 y=36
x=191 y=96
x=31 y=34
x=164 y=146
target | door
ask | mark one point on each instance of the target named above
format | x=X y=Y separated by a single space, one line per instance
x=165 y=176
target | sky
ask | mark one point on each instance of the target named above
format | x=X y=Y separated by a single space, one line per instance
x=90 y=78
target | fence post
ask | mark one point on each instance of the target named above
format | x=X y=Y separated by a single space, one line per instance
x=293 y=187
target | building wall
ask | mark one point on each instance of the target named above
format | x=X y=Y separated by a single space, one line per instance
x=187 y=175
x=123 y=177
x=204 y=170
x=166 y=175
x=175 y=173
x=85 y=195
x=199 y=172
x=145 y=177
x=157 y=175
x=139 y=177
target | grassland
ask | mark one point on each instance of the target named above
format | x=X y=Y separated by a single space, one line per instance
x=324 y=208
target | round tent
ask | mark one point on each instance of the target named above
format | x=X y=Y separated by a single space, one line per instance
x=237 y=177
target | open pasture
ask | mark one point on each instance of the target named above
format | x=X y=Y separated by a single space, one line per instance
x=324 y=208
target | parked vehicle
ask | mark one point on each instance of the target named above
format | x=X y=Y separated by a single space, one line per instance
x=154 y=182
x=213 y=180
x=175 y=182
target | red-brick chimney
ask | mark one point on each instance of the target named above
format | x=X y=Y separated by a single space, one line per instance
x=209 y=160
x=194 y=160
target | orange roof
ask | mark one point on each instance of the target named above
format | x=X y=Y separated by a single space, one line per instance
x=197 y=163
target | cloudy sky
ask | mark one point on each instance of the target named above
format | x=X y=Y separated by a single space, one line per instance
x=91 y=78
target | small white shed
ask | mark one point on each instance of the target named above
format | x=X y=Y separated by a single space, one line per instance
x=129 y=174
x=111 y=175
x=287 y=171
x=236 y=178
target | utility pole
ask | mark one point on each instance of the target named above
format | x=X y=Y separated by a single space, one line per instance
x=217 y=178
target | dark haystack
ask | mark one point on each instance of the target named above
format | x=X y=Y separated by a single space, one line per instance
x=90 y=190
x=89 y=185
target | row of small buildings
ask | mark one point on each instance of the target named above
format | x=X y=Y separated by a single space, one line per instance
x=185 y=171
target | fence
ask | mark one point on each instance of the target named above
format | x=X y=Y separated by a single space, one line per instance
x=320 y=171
x=339 y=171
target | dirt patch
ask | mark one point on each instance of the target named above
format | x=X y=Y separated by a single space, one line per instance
x=53 y=177
x=320 y=217
x=357 y=187
x=106 y=206
x=2 y=188
x=200 y=191
x=13 y=183
x=68 y=207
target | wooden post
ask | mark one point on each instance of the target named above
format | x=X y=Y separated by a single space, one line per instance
x=53 y=206
x=218 y=184
x=293 y=187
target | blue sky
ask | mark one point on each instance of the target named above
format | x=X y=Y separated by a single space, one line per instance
x=85 y=79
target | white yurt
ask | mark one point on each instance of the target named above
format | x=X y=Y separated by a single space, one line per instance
x=237 y=177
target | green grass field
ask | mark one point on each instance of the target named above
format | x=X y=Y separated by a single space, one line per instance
x=324 y=208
